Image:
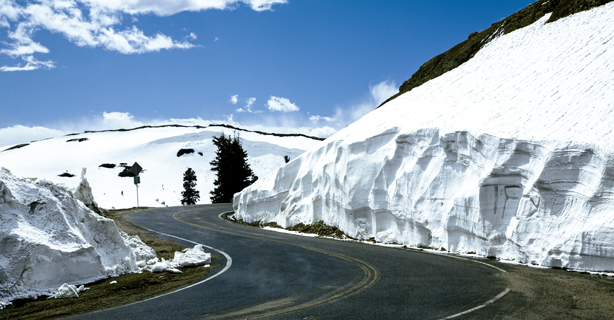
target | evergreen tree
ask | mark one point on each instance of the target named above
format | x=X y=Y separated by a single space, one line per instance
x=189 y=195
x=233 y=171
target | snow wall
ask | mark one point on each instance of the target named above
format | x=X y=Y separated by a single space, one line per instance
x=48 y=237
x=508 y=155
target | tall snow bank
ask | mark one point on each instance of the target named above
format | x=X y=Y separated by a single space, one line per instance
x=509 y=155
x=48 y=238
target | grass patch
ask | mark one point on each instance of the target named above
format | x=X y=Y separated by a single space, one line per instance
x=319 y=228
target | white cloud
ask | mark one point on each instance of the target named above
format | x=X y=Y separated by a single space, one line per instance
x=21 y=134
x=316 y=119
x=170 y=7
x=382 y=91
x=281 y=104
x=234 y=99
x=90 y=23
x=377 y=94
x=248 y=106
x=193 y=35
x=31 y=64
x=117 y=120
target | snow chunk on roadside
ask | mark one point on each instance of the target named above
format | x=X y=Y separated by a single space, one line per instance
x=69 y=291
x=192 y=257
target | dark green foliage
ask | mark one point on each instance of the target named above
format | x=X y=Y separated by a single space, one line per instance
x=184 y=151
x=77 y=140
x=233 y=171
x=126 y=172
x=189 y=195
x=465 y=50
x=286 y=159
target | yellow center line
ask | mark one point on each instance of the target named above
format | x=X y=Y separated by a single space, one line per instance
x=370 y=277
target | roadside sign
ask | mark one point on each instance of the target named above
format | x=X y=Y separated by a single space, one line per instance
x=136 y=169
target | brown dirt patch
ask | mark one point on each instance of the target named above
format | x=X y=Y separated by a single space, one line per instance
x=555 y=294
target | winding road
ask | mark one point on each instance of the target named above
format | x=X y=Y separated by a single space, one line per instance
x=273 y=275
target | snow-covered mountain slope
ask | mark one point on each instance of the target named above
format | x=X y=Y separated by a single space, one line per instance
x=509 y=155
x=155 y=149
x=48 y=238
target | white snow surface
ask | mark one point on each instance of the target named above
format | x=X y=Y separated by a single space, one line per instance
x=67 y=291
x=508 y=155
x=155 y=149
x=49 y=238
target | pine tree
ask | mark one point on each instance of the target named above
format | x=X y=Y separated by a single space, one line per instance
x=233 y=171
x=189 y=195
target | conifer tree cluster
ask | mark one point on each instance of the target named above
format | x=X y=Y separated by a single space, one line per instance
x=233 y=171
x=189 y=195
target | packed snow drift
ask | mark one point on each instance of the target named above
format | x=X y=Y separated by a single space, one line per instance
x=163 y=152
x=48 y=238
x=509 y=155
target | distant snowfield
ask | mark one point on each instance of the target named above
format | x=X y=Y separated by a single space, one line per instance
x=155 y=149
x=509 y=155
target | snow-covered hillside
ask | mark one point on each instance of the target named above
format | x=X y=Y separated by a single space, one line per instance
x=155 y=149
x=509 y=155
x=48 y=238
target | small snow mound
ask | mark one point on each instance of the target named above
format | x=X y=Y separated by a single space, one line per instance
x=189 y=257
x=69 y=291
x=192 y=258
x=160 y=266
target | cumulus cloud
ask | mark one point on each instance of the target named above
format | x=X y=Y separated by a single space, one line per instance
x=281 y=104
x=234 y=99
x=91 y=23
x=116 y=120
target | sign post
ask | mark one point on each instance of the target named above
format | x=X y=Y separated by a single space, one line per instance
x=136 y=169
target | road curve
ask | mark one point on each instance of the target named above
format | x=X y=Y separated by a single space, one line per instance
x=280 y=276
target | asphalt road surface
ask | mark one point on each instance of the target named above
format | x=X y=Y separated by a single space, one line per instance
x=271 y=275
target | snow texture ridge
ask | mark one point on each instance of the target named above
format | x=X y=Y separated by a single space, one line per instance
x=48 y=238
x=509 y=155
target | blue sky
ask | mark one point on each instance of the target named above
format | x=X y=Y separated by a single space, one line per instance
x=309 y=66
